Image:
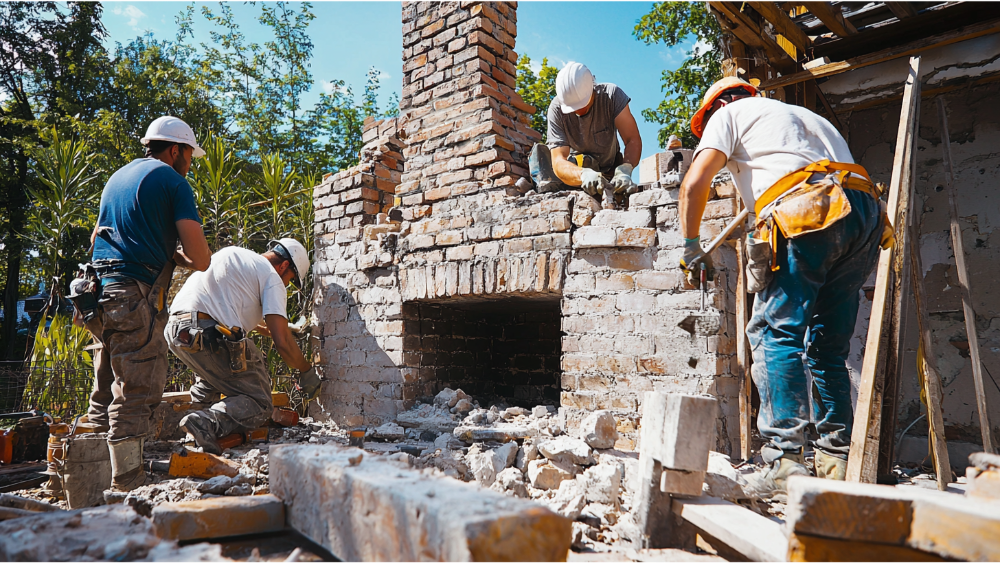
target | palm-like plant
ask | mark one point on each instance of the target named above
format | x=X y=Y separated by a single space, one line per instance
x=66 y=198
x=214 y=179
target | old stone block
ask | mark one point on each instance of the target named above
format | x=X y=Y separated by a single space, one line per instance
x=363 y=508
x=219 y=517
x=599 y=430
x=678 y=482
x=659 y=280
x=678 y=430
x=612 y=218
x=634 y=237
x=594 y=237
x=614 y=282
x=653 y=198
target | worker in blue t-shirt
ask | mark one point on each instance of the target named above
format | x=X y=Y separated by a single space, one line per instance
x=146 y=207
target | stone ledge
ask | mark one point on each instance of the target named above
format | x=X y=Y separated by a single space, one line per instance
x=364 y=508
x=219 y=517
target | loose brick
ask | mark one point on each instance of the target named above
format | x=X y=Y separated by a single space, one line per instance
x=219 y=517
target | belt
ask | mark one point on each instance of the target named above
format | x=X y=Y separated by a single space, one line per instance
x=186 y=316
x=792 y=179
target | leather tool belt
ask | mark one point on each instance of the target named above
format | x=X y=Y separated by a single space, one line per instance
x=193 y=337
x=797 y=205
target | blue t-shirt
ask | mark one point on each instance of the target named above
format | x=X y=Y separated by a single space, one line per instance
x=141 y=203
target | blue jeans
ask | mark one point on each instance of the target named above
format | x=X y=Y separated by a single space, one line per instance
x=804 y=319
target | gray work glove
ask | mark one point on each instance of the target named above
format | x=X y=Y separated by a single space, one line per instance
x=622 y=180
x=591 y=181
x=692 y=260
x=308 y=384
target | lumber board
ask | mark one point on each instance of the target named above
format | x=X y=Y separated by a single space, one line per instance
x=783 y=24
x=901 y=10
x=743 y=351
x=862 y=462
x=747 y=31
x=956 y=527
x=963 y=277
x=831 y=17
x=756 y=537
x=849 y=511
x=932 y=379
x=961 y=34
x=803 y=547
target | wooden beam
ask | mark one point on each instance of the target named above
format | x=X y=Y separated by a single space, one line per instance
x=831 y=17
x=747 y=31
x=862 y=462
x=961 y=34
x=783 y=24
x=963 y=277
x=829 y=110
x=753 y=536
x=901 y=10
x=743 y=350
x=802 y=547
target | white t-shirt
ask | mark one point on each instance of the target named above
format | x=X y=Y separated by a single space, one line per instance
x=765 y=139
x=238 y=289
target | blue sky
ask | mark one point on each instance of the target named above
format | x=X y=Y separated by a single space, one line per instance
x=351 y=37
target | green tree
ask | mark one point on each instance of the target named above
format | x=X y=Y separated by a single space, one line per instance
x=675 y=23
x=537 y=90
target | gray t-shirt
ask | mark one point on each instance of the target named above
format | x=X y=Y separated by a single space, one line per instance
x=594 y=133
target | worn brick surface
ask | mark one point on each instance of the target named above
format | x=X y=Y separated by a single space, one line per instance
x=219 y=517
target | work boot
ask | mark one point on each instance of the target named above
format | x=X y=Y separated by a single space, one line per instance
x=770 y=481
x=540 y=166
x=202 y=430
x=830 y=466
x=126 y=464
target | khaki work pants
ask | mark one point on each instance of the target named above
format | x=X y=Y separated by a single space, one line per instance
x=247 y=402
x=130 y=370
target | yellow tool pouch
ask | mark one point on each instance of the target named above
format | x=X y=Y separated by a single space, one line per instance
x=797 y=206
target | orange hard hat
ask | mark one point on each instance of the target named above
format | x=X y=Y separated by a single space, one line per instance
x=716 y=90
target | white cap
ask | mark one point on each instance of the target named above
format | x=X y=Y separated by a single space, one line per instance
x=292 y=250
x=169 y=128
x=574 y=87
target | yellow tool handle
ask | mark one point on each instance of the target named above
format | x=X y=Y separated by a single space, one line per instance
x=224 y=330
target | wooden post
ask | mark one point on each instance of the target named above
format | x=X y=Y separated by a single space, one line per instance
x=862 y=463
x=963 y=278
x=743 y=349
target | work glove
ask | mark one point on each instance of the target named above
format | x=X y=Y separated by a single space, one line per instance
x=692 y=260
x=591 y=181
x=308 y=384
x=622 y=180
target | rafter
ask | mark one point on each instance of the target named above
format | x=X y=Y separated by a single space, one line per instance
x=831 y=17
x=783 y=24
x=901 y=9
x=747 y=31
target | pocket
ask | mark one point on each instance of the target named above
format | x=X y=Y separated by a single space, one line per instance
x=125 y=315
x=604 y=137
x=808 y=208
x=237 y=355
x=758 y=269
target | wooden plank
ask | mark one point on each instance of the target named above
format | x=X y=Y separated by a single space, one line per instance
x=931 y=379
x=956 y=527
x=901 y=10
x=831 y=17
x=743 y=350
x=756 y=537
x=862 y=462
x=849 y=511
x=747 y=31
x=813 y=548
x=783 y=24
x=963 y=277
x=962 y=34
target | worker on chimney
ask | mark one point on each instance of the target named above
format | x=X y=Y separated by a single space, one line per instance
x=209 y=320
x=819 y=225
x=146 y=208
x=585 y=119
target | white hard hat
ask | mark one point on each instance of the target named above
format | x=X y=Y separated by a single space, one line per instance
x=293 y=251
x=574 y=86
x=169 y=128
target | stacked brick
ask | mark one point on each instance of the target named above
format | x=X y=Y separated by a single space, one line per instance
x=357 y=303
x=468 y=130
x=623 y=299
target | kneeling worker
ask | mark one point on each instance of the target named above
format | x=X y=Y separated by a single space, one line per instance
x=206 y=331
x=585 y=120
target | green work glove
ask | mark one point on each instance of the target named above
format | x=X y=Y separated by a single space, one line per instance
x=692 y=260
x=309 y=384
x=591 y=181
x=622 y=180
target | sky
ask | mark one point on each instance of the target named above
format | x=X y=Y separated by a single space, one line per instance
x=351 y=37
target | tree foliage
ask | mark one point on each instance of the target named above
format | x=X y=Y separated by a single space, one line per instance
x=674 y=24
x=537 y=90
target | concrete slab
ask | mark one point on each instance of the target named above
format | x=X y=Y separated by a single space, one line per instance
x=219 y=517
x=363 y=508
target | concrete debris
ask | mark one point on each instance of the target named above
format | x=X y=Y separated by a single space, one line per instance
x=546 y=474
x=569 y=500
x=722 y=481
x=603 y=482
x=527 y=453
x=567 y=450
x=447 y=441
x=221 y=484
x=389 y=432
x=448 y=398
x=511 y=481
x=428 y=417
x=600 y=430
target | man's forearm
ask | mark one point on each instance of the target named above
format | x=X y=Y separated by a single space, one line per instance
x=633 y=152
x=290 y=353
x=566 y=171
x=182 y=260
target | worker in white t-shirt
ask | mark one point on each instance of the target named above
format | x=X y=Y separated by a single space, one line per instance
x=819 y=225
x=209 y=320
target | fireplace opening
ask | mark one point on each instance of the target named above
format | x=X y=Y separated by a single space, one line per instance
x=496 y=350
